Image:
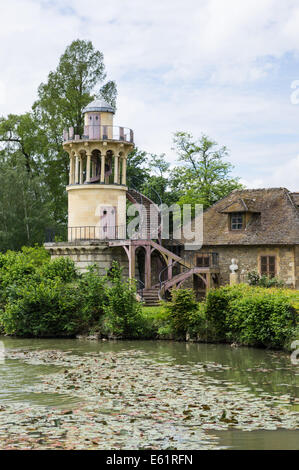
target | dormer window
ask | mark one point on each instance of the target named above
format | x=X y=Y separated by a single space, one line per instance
x=237 y=221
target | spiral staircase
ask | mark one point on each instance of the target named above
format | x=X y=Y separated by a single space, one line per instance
x=177 y=269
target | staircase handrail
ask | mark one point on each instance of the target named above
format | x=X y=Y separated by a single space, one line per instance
x=142 y=196
x=186 y=265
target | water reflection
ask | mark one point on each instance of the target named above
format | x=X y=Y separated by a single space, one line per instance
x=257 y=369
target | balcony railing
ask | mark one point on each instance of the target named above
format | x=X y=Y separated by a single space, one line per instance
x=116 y=133
x=97 y=233
x=87 y=233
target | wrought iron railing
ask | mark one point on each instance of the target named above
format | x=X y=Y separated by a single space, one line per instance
x=87 y=233
x=97 y=233
x=118 y=133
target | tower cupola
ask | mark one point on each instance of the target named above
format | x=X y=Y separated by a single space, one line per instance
x=98 y=120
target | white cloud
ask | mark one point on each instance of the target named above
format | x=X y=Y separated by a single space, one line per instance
x=284 y=175
x=200 y=65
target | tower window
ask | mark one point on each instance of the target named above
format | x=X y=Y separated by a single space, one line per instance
x=237 y=221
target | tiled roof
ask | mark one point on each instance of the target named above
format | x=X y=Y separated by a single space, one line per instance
x=274 y=218
x=295 y=197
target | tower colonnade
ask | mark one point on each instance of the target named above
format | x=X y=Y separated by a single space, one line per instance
x=101 y=165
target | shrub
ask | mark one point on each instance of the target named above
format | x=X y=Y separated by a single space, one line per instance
x=183 y=310
x=62 y=268
x=43 y=309
x=18 y=268
x=255 y=279
x=92 y=290
x=252 y=315
x=263 y=319
x=123 y=311
x=217 y=308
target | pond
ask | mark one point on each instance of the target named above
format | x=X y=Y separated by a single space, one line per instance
x=79 y=394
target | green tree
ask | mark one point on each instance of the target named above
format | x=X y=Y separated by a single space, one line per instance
x=72 y=86
x=23 y=141
x=137 y=168
x=33 y=141
x=204 y=177
x=157 y=185
x=24 y=206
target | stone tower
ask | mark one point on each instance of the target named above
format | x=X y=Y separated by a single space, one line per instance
x=97 y=195
x=97 y=180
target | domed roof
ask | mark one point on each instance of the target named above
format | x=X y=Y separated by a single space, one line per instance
x=99 y=105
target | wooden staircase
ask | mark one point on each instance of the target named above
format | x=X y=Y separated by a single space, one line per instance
x=150 y=238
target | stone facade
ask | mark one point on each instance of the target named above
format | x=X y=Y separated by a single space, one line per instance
x=296 y=257
x=249 y=260
x=86 y=254
x=269 y=227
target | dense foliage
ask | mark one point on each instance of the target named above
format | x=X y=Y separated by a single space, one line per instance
x=245 y=315
x=182 y=311
x=203 y=176
x=40 y=297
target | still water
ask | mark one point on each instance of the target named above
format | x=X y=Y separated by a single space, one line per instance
x=257 y=371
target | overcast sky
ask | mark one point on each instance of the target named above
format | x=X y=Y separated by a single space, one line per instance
x=220 y=67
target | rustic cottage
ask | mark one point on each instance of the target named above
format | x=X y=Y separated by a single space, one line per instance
x=257 y=227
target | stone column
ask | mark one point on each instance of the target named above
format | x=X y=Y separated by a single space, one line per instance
x=81 y=170
x=71 y=170
x=102 y=168
x=88 y=168
x=233 y=278
x=116 y=169
x=124 y=173
x=77 y=169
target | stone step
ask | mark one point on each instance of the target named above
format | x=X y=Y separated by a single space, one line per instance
x=151 y=297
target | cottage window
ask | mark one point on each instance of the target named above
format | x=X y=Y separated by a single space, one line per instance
x=237 y=221
x=268 y=266
x=203 y=261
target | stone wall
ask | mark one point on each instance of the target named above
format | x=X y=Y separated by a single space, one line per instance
x=85 y=254
x=297 y=266
x=249 y=259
